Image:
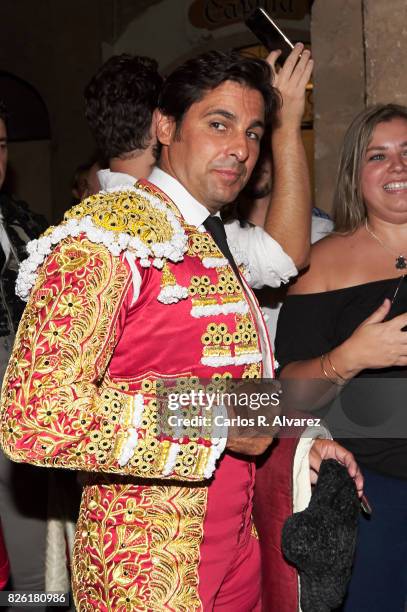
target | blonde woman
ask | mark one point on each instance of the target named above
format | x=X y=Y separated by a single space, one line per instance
x=333 y=327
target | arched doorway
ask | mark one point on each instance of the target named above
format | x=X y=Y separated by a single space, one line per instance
x=29 y=135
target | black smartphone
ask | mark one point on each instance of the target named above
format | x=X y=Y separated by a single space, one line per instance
x=399 y=300
x=268 y=32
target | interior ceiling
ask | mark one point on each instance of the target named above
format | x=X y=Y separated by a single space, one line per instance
x=118 y=14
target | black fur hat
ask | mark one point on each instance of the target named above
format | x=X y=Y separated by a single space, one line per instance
x=320 y=541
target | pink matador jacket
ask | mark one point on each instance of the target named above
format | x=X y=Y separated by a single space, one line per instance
x=4 y=563
x=90 y=367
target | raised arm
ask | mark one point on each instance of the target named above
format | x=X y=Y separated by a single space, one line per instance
x=288 y=218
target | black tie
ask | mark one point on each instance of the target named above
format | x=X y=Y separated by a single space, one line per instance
x=2 y=259
x=214 y=225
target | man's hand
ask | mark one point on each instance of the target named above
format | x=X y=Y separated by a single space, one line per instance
x=329 y=449
x=251 y=429
x=291 y=81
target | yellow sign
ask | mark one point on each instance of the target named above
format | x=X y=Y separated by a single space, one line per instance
x=213 y=14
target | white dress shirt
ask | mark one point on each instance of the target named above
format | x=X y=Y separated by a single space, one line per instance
x=267 y=262
x=320 y=227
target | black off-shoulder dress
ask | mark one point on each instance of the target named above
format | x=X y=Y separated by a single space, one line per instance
x=312 y=324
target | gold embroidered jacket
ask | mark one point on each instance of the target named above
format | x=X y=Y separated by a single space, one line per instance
x=88 y=369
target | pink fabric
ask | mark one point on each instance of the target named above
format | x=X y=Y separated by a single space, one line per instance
x=4 y=564
x=146 y=343
x=241 y=588
x=229 y=571
x=273 y=504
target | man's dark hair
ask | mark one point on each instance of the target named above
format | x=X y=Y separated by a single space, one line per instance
x=192 y=80
x=3 y=111
x=119 y=104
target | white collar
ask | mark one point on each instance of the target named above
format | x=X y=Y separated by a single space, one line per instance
x=193 y=211
x=112 y=181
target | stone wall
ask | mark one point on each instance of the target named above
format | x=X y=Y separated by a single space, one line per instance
x=359 y=47
x=385 y=25
x=339 y=84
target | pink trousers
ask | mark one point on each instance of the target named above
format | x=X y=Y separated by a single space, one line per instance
x=229 y=570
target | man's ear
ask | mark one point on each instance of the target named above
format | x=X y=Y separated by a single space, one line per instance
x=154 y=120
x=166 y=127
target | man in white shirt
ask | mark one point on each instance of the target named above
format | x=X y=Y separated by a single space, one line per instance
x=282 y=206
x=253 y=206
x=272 y=300
x=120 y=101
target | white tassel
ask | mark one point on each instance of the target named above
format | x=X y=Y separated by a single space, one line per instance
x=171 y=460
x=171 y=294
x=215 y=262
x=211 y=310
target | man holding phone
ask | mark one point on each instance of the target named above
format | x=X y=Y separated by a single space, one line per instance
x=287 y=217
x=289 y=212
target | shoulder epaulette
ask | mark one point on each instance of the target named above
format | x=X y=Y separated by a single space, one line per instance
x=132 y=220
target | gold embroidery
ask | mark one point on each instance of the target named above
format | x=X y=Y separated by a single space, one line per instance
x=254 y=532
x=125 y=212
x=73 y=256
x=226 y=290
x=252 y=371
x=54 y=411
x=59 y=353
x=160 y=196
x=176 y=536
x=228 y=283
x=217 y=340
x=201 y=245
x=245 y=337
x=168 y=278
x=111 y=557
x=127 y=539
x=152 y=449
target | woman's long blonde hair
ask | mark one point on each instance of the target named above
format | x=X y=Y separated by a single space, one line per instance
x=349 y=210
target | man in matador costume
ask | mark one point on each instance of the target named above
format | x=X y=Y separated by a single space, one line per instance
x=128 y=295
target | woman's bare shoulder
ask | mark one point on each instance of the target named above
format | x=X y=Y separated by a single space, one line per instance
x=327 y=255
